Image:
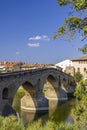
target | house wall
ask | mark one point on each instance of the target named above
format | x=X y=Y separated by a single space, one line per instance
x=81 y=66
x=70 y=70
x=16 y=68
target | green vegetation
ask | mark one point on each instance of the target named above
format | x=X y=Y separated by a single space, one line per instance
x=50 y=125
x=45 y=88
x=80 y=112
x=20 y=93
x=83 y=49
x=12 y=123
x=17 y=100
x=76 y=22
x=78 y=77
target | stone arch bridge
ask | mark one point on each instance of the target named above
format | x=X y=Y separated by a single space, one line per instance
x=40 y=86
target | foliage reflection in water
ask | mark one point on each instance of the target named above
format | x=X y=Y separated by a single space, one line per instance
x=58 y=111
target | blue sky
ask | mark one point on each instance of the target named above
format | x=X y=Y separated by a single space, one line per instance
x=26 y=29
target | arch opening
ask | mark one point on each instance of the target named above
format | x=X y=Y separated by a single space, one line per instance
x=64 y=84
x=29 y=89
x=16 y=103
x=5 y=93
x=50 y=88
x=24 y=97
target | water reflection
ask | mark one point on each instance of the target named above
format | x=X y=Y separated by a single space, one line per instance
x=52 y=107
x=63 y=111
x=29 y=117
x=58 y=111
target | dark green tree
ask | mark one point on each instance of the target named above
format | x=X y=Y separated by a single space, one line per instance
x=80 y=111
x=78 y=77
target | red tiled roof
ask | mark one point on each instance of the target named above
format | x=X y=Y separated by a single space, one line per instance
x=5 y=63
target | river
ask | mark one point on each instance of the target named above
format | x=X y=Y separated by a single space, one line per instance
x=58 y=111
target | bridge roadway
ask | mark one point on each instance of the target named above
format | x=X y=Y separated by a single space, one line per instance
x=40 y=85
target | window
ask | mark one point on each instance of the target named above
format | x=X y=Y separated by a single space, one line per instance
x=84 y=69
x=78 y=69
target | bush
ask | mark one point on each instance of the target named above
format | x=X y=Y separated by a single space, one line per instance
x=11 y=123
x=78 y=77
x=80 y=112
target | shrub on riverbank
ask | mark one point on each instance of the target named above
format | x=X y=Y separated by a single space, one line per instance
x=50 y=125
x=12 y=123
x=80 y=112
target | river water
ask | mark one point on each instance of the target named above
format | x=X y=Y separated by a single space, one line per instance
x=58 y=111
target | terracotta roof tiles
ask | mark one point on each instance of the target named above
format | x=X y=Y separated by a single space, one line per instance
x=5 y=63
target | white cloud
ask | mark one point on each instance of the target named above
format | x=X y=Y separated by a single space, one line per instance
x=33 y=44
x=35 y=38
x=38 y=37
x=17 y=52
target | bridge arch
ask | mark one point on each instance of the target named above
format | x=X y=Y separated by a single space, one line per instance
x=29 y=97
x=29 y=89
x=50 y=87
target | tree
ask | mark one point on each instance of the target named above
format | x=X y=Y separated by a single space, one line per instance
x=83 y=49
x=78 y=77
x=76 y=22
x=80 y=111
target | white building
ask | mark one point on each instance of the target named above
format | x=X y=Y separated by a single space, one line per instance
x=3 y=69
x=64 y=64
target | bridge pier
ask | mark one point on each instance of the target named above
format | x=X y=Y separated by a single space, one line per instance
x=34 y=104
x=2 y=105
x=3 y=97
x=62 y=95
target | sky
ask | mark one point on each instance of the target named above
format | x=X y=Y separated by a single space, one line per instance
x=26 y=30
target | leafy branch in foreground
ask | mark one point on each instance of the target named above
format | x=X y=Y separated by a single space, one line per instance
x=83 y=49
x=75 y=23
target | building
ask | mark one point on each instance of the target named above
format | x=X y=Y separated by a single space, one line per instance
x=39 y=66
x=80 y=65
x=70 y=70
x=3 y=69
x=64 y=64
x=10 y=66
x=75 y=65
